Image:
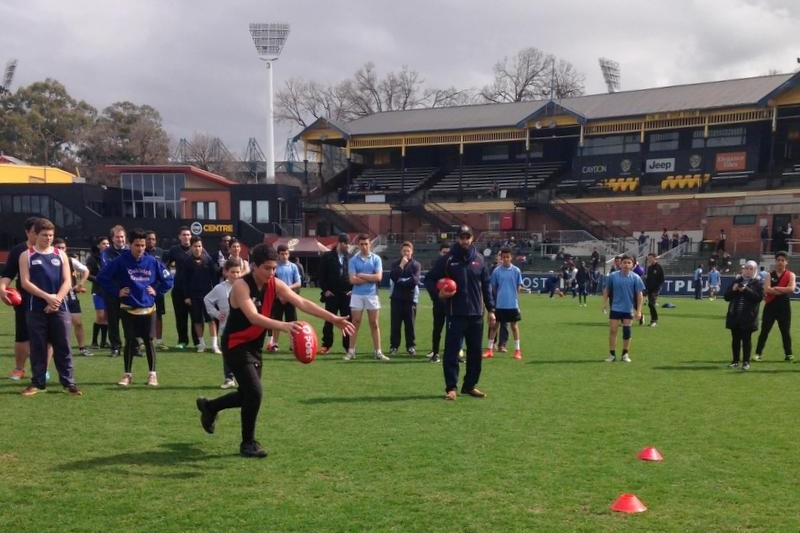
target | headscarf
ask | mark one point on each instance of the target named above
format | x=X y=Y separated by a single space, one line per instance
x=752 y=264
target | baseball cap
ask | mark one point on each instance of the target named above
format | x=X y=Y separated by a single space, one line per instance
x=464 y=230
x=344 y=237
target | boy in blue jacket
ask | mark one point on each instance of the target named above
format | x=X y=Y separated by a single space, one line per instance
x=136 y=278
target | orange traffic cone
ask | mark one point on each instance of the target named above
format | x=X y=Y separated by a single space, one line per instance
x=628 y=503
x=650 y=454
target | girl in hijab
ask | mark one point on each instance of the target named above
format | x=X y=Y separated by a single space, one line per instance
x=744 y=299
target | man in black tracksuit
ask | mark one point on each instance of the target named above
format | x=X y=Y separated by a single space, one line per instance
x=404 y=274
x=465 y=309
x=654 y=278
x=174 y=258
x=334 y=282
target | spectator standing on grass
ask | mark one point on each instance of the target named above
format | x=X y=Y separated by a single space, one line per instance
x=200 y=276
x=100 y=326
x=251 y=300
x=175 y=258
x=136 y=278
x=79 y=273
x=714 y=282
x=235 y=253
x=335 y=288
x=152 y=248
x=697 y=279
x=45 y=276
x=404 y=275
x=439 y=312
x=582 y=282
x=465 y=308
x=506 y=284
x=654 y=279
x=218 y=308
x=744 y=299
x=288 y=273
x=624 y=289
x=778 y=288
x=118 y=245
x=366 y=272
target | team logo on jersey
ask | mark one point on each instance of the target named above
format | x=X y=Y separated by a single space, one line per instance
x=55 y=261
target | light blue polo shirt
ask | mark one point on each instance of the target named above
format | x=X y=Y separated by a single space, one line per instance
x=287 y=272
x=505 y=282
x=365 y=265
x=623 y=289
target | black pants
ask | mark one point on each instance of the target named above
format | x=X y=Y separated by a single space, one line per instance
x=741 y=341
x=403 y=313
x=781 y=313
x=247 y=371
x=467 y=330
x=652 y=297
x=182 y=313
x=138 y=327
x=112 y=312
x=338 y=304
x=439 y=317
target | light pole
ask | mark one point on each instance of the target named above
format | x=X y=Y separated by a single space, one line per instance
x=269 y=40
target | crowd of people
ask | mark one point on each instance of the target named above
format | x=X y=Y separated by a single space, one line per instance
x=245 y=304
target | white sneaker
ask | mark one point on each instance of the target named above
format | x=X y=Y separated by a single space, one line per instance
x=653 y=324
x=125 y=380
x=216 y=350
x=611 y=358
x=626 y=358
x=349 y=356
x=380 y=357
x=201 y=347
x=152 y=379
x=228 y=384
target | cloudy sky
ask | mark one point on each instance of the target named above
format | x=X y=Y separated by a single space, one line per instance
x=195 y=62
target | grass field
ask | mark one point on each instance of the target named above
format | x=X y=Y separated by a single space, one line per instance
x=370 y=446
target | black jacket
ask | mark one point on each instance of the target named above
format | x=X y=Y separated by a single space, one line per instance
x=743 y=304
x=405 y=279
x=332 y=275
x=654 y=278
x=467 y=269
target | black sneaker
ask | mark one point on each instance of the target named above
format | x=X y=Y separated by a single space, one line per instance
x=252 y=449
x=207 y=416
x=114 y=352
x=789 y=357
x=746 y=366
x=73 y=390
x=435 y=358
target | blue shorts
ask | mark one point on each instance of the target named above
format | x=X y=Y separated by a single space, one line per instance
x=616 y=315
x=99 y=303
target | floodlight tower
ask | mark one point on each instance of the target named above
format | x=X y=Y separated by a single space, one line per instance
x=610 y=70
x=269 y=40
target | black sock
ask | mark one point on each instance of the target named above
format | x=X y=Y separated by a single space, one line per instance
x=103 y=334
x=95 y=332
x=613 y=352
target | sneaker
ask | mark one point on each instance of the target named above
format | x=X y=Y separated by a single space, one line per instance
x=31 y=390
x=789 y=357
x=475 y=393
x=435 y=358
x=746 y=366
x=152 y=379
x=160 y=345
x=229 y=383
x=85 y=352
x=125 y=380
x=488 y=354
x=392 y=351
x=73 y=390
x=517 y=354
x=16 y=374
x=201 y=347
x=324 y=350
x=114 y=353
x=757 y=357
x=412 y=351
x=216 y=350
x=380 y=357
x=47 y=376
x=626 y=358
x=431 y=354
x=94 y=346
x=273 y=348
x=207 y=416
x=503 y=348
x=252 y=449
x=349 y=356
x=653 y=324
x=450 y=396
x=180 y=346
x=611 y=358
x=735 y=364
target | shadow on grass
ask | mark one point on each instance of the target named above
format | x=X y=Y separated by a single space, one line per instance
x=370 y=399
x=169 y=456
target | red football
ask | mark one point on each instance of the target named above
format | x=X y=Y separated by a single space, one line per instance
x=304 y=344
x=446 y=285
x=13 y=296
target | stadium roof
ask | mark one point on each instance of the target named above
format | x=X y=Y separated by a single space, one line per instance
x=708 y=95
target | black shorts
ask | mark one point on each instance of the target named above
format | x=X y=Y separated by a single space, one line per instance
x=161 y=308
x=282 y=311
x=198 y=311
x=617 y=315
x=73 y=305
x=507 y=315
x=20 y=324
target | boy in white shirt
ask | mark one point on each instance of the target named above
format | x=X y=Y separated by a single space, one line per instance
x=217 y=306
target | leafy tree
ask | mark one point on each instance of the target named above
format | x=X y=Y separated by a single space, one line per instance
x=125 y=134
x=43 y=124
x=532 y=75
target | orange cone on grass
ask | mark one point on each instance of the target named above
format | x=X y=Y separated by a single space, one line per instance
x=650 y=454
x=628 y=503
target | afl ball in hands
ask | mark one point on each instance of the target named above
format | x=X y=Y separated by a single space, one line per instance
x=446 y=285
x=13 y=296
x=304 y=343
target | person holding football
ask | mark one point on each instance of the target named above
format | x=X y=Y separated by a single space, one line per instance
x=251 y=300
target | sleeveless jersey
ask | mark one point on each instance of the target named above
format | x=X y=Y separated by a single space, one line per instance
x=778 y=281
x=239 y=332
x=45 y=273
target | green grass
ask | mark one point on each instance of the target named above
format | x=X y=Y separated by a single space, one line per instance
x=369 y=446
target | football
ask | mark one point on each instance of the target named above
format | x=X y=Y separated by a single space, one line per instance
x=13 y=296
x=446 y=285
x=304 y=344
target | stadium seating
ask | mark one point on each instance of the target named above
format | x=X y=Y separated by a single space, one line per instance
x=391 y=180
x=485 y=179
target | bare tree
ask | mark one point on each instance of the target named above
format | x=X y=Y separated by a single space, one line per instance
x=532 y=75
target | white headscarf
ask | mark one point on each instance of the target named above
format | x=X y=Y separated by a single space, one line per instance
x=752 y=264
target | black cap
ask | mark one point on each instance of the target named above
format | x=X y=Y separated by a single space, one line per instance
x=465 y=230
x=344 y=237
